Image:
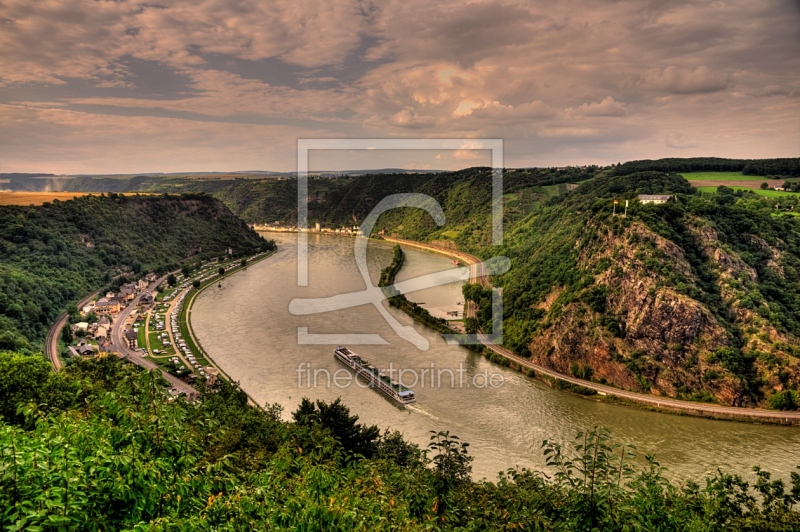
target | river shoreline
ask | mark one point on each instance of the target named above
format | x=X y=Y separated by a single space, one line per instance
x=187 y=310
x=603 y=392
x=248 y=330
x=567 y=383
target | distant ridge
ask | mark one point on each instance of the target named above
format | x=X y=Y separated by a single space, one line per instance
x=235 y=172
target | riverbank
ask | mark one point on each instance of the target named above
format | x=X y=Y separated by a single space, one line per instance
x=184 y=319
x=399 y=301
x=248 y=329
x=503 y=356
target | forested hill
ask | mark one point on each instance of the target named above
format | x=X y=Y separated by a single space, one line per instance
x=787 y=167
x=52 y=255
x=698 y=298
x=348 y=200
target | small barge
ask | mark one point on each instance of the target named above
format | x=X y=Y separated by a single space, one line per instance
x=377 y=378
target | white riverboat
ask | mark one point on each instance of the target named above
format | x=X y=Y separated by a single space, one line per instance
x=376 y=377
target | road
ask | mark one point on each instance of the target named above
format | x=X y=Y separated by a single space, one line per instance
x=51 y=342
x=478 y=275
x=121 y=346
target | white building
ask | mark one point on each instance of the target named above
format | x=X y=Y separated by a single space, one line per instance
x=654 y=198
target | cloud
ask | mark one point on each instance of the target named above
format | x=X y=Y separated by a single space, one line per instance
x=607 y=107
x=685 y=81
x=525 y=111
x=679 y=141
x=222 y=94
x=777 y=90
x=300 y=32
x=555 y=79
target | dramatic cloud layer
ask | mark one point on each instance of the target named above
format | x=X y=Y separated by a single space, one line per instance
x=115 y=86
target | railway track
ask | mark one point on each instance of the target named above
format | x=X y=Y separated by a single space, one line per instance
x=51 y=341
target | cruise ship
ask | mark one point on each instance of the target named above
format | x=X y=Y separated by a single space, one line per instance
x=376 y=377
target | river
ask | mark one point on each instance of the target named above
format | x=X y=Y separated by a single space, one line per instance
x=246 y=327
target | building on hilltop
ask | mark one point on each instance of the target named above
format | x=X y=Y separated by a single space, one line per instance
x=654 y=198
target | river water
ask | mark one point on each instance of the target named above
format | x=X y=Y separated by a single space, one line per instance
x=246 y=327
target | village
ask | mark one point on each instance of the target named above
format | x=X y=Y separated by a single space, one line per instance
x=278 y=227
x=147 y=319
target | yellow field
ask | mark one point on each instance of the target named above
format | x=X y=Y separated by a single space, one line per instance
x=37 y=198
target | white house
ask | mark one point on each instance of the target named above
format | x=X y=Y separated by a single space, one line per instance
x=654 y=198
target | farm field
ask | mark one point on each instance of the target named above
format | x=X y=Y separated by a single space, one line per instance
x=720 y=176
x=765 y=193
x=35 y=198
x=734 y=183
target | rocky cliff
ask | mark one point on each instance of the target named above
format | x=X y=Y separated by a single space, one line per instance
x=695 y=299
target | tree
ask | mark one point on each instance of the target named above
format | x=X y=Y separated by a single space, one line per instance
x=172 y=280
x=336 y=418
x=30 y=380
x=66 y=334
x=196 y=283
x=471 y=292
x=783 y=400
x=764 y=186
x=186 y=270
x=471 y=325
x=452 y=466
x=221 y=270
x=243 y=262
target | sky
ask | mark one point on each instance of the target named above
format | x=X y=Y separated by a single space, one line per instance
x=219 y=85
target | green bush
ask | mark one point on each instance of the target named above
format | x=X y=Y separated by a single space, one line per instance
x=120 y=454
x=784 y=400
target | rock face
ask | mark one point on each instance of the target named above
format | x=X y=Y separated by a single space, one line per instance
x=652 y=335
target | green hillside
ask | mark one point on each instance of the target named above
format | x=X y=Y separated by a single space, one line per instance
x=53 y=255
x=99 y=447
x=751 y=167
x=697 y=298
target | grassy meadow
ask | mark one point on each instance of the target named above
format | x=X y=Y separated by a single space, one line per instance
x=719 y=176
x=766 y=193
